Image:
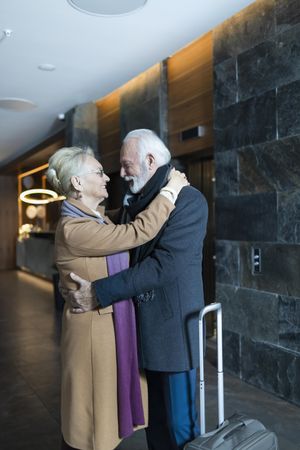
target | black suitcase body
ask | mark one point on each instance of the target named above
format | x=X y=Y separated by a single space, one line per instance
x=238 y=432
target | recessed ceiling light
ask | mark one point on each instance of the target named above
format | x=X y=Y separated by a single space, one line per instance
x=17 y=104
x=47 y=67
x=107 y=7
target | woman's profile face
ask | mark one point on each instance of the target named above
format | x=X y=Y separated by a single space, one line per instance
x=93 y=179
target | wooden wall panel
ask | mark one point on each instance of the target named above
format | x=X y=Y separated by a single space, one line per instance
x=192 y=112
x=197 y=53
x=109 y=135
x=8 y=221
x=182 y=88
x=190 y=95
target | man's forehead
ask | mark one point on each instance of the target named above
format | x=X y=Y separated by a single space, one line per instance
x=129 y=151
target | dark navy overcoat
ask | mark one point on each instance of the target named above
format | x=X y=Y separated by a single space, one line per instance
x=167 y=288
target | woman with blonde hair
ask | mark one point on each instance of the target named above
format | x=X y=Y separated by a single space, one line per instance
x=103 y=395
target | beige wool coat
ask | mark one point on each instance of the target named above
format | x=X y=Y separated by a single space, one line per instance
x=89 y=411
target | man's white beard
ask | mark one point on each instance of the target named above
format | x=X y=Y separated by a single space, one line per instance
x=138 y=182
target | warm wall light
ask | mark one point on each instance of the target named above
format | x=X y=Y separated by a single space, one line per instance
x=31 y=212
x=25 y=196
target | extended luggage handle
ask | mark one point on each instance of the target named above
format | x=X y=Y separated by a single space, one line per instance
x=210 y=308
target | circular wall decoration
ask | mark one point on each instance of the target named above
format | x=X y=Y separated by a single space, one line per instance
x=26 y=196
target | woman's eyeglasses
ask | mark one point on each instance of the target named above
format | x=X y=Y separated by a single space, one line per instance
x=99 y=172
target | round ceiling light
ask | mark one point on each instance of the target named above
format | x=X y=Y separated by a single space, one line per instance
x=107 y=7
x=17 y=104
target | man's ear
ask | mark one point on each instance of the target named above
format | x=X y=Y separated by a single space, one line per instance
x=151 y=162
x=76 y=183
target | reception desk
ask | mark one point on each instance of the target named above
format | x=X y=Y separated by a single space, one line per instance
x=35 y=254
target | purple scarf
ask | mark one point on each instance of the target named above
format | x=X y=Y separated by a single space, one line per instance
x=130 y=407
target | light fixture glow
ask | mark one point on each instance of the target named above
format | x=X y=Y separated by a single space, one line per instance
x=25 y=196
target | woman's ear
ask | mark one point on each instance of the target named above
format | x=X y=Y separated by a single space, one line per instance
x=76 y=183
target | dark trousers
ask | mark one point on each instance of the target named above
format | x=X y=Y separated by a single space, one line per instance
x=65 y=446
x=173 y=417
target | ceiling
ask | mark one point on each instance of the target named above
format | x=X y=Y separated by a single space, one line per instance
x=92 y=55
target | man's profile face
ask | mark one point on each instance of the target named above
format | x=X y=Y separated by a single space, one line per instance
x=133 y=169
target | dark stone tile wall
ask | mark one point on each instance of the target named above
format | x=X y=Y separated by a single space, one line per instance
x=139 y=115
x=228 y=262
x=82 y=126
x=288 y=99
x=246 y=29
x=271 y=368
x=287 y=14
x=268 y=167
x=231 y=357
x=287 y=63
x=247 y=218
x=254 y=72
x=289 y=216
x=248 y=314
x=257 y=159
x=282 y=54
x=280 y=268
x=226 y=170
x=244 y=123
x=256 y=329
x=145 y=104
x=225 y=83
x=289 y=322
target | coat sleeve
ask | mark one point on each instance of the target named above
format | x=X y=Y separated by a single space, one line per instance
x=86 y=237
x=186 y=227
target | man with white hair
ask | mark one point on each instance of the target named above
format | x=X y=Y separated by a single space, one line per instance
x=165 y=281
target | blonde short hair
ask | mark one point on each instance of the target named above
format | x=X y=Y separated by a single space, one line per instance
x=65 y=163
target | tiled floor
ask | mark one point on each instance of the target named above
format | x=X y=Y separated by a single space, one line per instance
x=29 y=376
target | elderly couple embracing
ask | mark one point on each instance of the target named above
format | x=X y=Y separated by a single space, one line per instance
x=132 y=280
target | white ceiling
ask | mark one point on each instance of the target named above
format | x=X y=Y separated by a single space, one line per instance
x=93 y=55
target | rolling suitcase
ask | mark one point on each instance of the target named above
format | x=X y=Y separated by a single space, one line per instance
x=238 y=432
